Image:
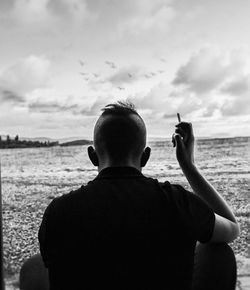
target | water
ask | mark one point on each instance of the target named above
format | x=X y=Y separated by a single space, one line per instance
x=32 y=177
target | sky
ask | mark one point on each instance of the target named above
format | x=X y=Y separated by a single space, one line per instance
x=62 y=61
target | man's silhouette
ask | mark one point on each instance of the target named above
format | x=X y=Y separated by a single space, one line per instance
x=126 y=231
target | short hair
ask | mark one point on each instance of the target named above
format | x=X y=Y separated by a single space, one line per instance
x=121 y=108
x=120 y=131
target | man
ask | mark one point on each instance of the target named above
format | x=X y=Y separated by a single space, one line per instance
x=126 y=231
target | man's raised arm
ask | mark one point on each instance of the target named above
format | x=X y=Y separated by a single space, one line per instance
x=226 y=228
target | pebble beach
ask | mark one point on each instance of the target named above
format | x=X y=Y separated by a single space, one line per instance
x=32 y=177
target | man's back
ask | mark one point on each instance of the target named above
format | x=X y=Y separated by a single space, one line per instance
x=124 y=231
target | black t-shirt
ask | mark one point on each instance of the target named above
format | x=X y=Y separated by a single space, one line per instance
x=124 y=231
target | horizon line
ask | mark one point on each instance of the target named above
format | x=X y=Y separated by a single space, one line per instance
x=148 y=137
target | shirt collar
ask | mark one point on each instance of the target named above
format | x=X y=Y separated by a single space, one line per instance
x=126 y=171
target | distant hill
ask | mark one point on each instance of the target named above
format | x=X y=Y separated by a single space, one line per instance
x=39 y=139
x=76 y=143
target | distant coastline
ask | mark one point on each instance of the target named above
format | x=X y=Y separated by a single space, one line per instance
x=11 y=143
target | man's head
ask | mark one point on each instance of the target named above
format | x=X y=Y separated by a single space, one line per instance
x=119 y=137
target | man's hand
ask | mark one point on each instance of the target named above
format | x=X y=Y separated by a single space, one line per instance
x=184 y=143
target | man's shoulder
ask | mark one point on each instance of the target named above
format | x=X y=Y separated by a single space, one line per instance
x=174 y=188
x=66 y=200
x=179 y=195
x=73 y=196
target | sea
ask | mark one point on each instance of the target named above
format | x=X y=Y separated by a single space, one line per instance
x=32 y=177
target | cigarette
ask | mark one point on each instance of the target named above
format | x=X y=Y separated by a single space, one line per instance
x=178 y=117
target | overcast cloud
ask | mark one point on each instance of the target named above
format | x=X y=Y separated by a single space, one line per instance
x=10 y=97
x=168 y=56
x=25 y=74
x=223 y=74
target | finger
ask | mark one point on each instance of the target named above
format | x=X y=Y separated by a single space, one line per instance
x=180 y=131
x=173 y=140
x=91 y=149
x=179 y=142
x=183 y=134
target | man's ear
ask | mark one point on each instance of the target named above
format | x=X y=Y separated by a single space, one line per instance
x=145 y=156
x=93 y=156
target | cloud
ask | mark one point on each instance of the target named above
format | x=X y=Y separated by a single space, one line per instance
x=6 y=5
x=94 y=109
x=204 y=71
x=125 y=75
x=102 y=22
x=30 y=11
x=125 y=9
x=26 y=75
x=119 y=17
x=52 y=107
x=160 y=102
x=236 y=107
x=65 y=7
x=212 y=83
x=45 y=13
x=155 y=17
x=133 y=16
x=67 y=106
x=237 y=86
x=11 y=97
x=219 y=78
x=238 y=102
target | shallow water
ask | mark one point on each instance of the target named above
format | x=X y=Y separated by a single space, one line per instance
x=32 y=177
